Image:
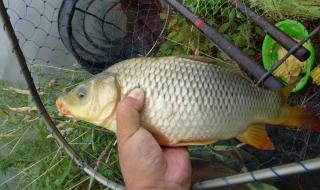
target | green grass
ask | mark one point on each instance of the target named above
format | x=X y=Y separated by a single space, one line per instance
x=283 y=9
x=183 y=38
x=26 y=150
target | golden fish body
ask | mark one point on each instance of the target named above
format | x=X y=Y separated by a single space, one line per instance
x=191 y=102
x=187 y=101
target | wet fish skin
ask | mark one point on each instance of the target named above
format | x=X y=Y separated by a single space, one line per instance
x=191 y=102
x=188 y=101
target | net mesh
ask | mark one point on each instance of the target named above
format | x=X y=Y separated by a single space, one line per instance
x=62 y=40
x=101 y=33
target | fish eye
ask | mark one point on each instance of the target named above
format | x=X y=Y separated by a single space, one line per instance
x=82 y=92
x=81 y=95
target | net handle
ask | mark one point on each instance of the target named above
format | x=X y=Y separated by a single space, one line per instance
x=286 y=41
x=263 y=174
x=226 y=46
x=42 y=110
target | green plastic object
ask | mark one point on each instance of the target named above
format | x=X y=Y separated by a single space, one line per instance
x=270 y=49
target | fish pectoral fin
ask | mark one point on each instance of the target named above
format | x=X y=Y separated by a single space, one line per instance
x=256 y=136
x=196 y=142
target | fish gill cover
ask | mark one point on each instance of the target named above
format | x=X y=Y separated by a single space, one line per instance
x=58 y=36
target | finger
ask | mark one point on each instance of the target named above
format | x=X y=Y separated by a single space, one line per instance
x=128 y=116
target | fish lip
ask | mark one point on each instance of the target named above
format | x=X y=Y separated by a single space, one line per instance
x=61 y=109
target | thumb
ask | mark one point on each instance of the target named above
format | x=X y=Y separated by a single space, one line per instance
x=128 y=116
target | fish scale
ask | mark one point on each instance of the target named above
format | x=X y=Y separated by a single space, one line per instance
x=189 y=100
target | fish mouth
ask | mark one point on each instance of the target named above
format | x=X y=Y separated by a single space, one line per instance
x=62 y=110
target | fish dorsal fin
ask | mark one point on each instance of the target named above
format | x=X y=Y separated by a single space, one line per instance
x=257 y=137
x=201 y=58
x=231 y=67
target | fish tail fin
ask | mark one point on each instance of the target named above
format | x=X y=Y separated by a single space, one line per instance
x=256 y=136
x=298 y=117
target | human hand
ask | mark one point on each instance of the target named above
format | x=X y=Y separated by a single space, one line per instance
x=144 y=164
